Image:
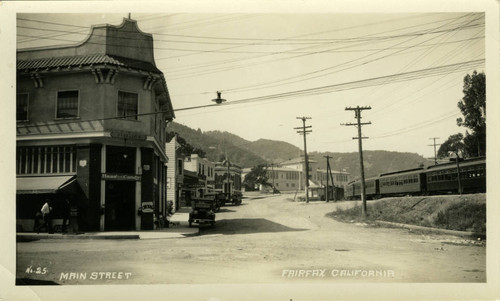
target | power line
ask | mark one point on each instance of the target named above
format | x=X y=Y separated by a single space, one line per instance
x=311 y=91
x=336 y=66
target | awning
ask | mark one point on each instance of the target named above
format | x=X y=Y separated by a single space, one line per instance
x=313 y=185
x=35 y=185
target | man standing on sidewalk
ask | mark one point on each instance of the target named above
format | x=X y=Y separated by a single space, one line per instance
x=47 y=222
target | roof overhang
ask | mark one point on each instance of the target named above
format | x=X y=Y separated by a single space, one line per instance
x=38 y=185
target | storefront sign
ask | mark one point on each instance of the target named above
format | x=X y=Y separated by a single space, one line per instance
x=127 y=135
x=147 y=207
x=107 y=176
x=83 y=163
x=194 y=186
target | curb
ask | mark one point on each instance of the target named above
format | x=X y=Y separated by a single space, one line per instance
x=32 y=237
x=435 y=230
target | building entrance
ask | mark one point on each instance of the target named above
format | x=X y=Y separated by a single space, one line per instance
x=120 y=206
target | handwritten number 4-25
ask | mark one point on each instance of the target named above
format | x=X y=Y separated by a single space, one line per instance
x=38 y=270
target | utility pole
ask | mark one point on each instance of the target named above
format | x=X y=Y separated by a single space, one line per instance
x=357 y=110
x=435 y=154
x=329 y=173
x=228 y=179
x=272 y=168
x=459 y=176
x=303 y=131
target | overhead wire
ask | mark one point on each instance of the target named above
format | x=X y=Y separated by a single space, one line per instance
x=328 y=89
x=274 y=60
x=303 y=92
x=332 y=68
x=388 y=103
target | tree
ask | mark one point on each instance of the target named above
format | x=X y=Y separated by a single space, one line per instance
x=454 y=145
x=256 y=176
x=473 y=107
x=186 y=148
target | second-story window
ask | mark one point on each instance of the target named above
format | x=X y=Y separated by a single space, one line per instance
x=127 y=105
x=22 y=107
x=180 y=166
x=67 y=104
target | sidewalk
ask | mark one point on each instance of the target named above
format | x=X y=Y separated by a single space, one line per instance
x=178 y=228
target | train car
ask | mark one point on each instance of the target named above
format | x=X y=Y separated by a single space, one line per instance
x=411 y=181
x=349 y=191
x=443 y=178
x=371 y=186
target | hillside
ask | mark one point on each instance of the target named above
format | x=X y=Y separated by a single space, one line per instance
x=217 y=145
x=269 y=150
x=375 y=162
x=451 y=212
x=251 y=153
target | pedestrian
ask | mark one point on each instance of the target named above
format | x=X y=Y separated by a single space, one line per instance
x=66 y=208
x=73 y=218
x=46 y=215
x=38 y=221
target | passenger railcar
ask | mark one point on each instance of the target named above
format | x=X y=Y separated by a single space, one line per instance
x=437 y=179
x=349 y=191
x=410 y=181
x=443 y=178
x=371 y=186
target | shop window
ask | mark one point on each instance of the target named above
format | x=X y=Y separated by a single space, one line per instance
x=67 y=104
x=22 y=107
x=128 y=105
x=46 y=160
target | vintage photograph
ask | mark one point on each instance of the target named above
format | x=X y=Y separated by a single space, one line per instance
x=251 y=148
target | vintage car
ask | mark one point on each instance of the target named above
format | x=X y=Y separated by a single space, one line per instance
x=226 y=198
x=203 y=211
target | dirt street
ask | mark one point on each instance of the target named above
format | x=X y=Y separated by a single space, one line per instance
x=265 y=240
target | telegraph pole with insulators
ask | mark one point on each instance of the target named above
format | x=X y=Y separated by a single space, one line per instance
x=303 y=130
x=357 y=114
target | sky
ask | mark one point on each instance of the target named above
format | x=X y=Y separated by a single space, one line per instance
x=275 y=67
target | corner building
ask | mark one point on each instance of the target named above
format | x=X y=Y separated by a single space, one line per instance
x=91 y=124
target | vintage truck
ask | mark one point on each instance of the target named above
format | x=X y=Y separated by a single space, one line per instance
x=203 y=211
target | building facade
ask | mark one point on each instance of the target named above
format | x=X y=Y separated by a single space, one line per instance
x=202 y=176
x=299 y=164
x=204 y=170
x=285 y=179
x=175 y=172
x=227 y=177
x=91 y=124
x=340 y=178
x=290 y=176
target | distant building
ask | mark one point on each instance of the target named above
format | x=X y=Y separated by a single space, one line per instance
x=290 y=176
x=300 y=165
x=340 y=178
x=91 y=128
x=285 y=179
x=227 y=177
x=175 y=172
x=205 y=171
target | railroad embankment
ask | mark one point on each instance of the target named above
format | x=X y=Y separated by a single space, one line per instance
x=451 y=212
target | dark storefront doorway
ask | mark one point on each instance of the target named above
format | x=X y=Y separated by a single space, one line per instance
x=120 y=206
